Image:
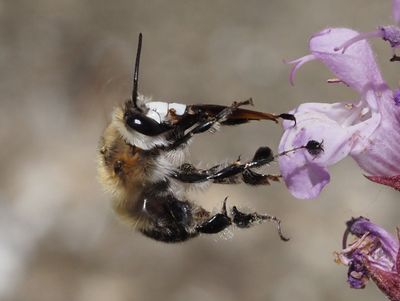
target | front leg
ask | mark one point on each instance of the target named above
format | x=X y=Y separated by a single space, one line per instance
x=206 y=125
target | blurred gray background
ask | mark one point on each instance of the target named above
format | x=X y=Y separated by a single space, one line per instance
x=65 y=64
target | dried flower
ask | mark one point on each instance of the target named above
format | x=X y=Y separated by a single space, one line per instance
x=373 y=255
x=367 y=129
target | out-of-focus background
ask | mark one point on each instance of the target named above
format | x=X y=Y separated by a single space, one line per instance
x=65 y=64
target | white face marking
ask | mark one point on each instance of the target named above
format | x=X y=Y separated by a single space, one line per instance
x=154 y=115
x=178 y=107
x=159 y=110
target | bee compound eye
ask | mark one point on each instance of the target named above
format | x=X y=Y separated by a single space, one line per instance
x=144 y=124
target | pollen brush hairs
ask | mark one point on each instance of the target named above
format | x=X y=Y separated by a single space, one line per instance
x=142 y=163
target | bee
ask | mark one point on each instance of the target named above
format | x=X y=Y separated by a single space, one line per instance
x=142 y=163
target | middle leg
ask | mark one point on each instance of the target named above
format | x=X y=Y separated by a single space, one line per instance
x=238 y=172
x=233 y=173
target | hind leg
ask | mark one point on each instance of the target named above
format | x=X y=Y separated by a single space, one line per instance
x=167 y=219
x=220 y=221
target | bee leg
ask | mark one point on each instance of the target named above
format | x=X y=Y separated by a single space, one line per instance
x=246 y=220
x=176 y=221
x=231 y=174
x=287 y=116
x=189 y=174
x=221 y=221
x=165 y=218
x=251 y=177
x=216 y=223
x=206 y=125
x=237 y=172
x=262 y=157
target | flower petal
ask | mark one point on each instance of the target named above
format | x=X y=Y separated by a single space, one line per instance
x=303 y=179
x=377 y=151
x=356 y=67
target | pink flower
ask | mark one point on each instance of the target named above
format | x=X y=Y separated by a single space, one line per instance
x=367 y=129
x=373 y=255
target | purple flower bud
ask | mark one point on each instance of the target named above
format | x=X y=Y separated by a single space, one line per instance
x=391 y=34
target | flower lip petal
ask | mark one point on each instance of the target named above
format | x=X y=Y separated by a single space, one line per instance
x=305 y=170
x=305 y=181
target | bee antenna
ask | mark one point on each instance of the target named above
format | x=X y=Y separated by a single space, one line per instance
x=135 y=93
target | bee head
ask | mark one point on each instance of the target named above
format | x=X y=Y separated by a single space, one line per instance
x=134 y=111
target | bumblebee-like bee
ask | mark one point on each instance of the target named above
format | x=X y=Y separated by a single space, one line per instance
x=142 y=163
